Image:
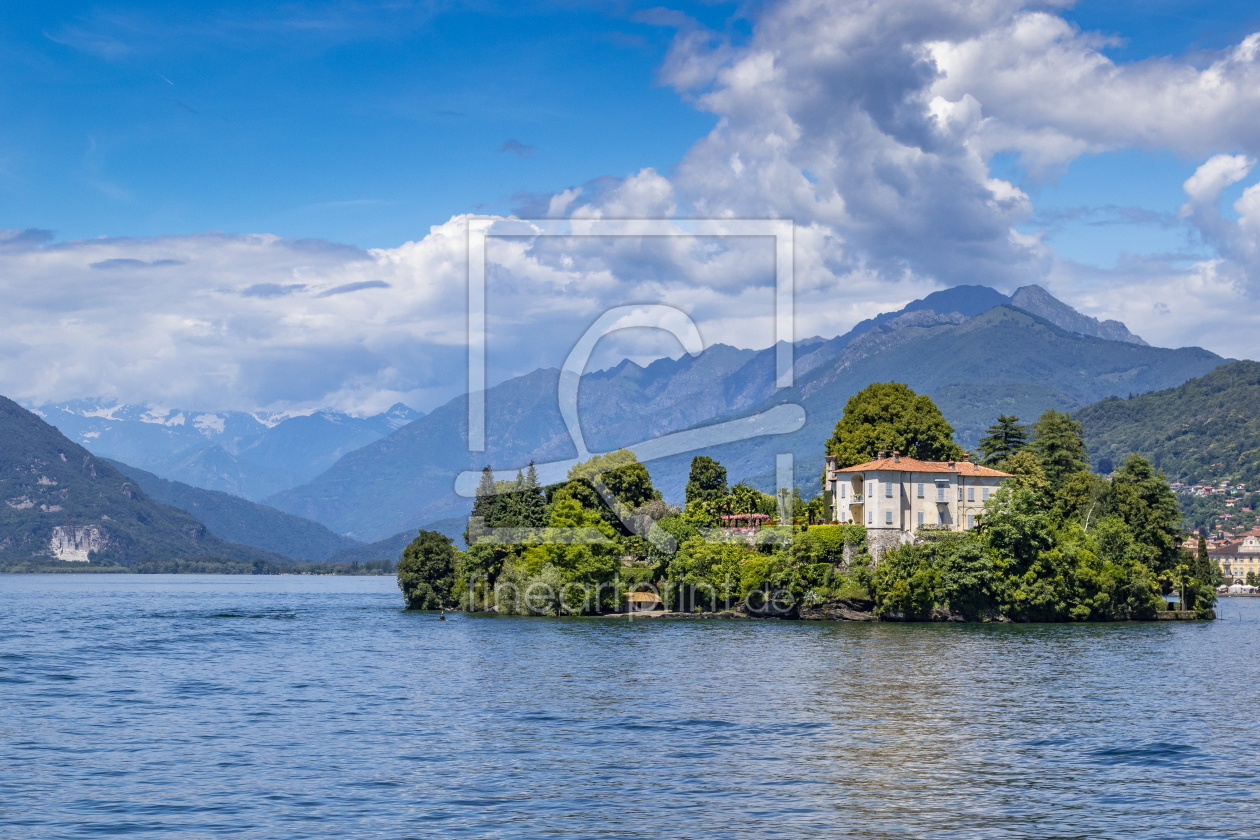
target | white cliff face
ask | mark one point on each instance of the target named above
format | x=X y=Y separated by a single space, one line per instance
x=73 y=542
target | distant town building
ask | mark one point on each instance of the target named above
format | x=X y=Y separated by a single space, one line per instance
x=1236 y=559
x=897 y=498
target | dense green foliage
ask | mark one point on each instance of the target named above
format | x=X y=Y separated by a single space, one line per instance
x=1204 y=431
x=1003 y=439
x=48 y=481
x=890 y=416
x=1093 y=550
x=1054 y=544
x=241 y=521
x=1060 y=447
x=426 y=572
x=528 y=540
x=707 y=480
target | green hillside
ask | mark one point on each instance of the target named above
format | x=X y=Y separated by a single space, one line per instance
x=52 y=489
x=242 y=521
x=1205 y=430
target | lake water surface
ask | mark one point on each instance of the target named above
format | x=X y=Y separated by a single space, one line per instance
x=278 y=707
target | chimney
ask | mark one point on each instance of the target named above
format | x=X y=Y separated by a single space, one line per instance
x=966 y=457
x=951 y=463
x=881 y=454
x=896 y=457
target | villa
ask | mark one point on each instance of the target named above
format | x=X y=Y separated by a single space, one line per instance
x=1237 y=559
x=896 y=497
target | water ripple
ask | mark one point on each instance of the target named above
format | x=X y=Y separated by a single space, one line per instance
x=313 y=707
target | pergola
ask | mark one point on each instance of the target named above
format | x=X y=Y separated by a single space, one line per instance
x=749 y=520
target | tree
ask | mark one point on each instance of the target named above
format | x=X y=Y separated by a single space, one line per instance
x=1202 y=562
x=621 y=475
x=745 y=499
x=1003 y=439
x=533 y=506
x=508 y=502
x=707 y=481
x=1059 y=442
x=521 y=503
x=1083 y=497
x=906 y=582
x=1017 y=525
x=485 y=506
x=888 y=416
x=1142 y=498
x=631 y=485
x=1027 y=473
x=601 y=464
x=426 y=572
x=969 y=579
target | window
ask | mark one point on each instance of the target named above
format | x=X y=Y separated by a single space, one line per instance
x=888 y=517
x=870 y=518
x=888 y=489
x=940 y=517
x=920 y=490
x=871 y=491
x=971 y=521
x=920 y=513
x=971 y=494
x=960 y=492
x=842 y=491
x=940 y=492
x=984 y=494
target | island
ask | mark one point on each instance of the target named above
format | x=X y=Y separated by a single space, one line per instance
x=906 y=526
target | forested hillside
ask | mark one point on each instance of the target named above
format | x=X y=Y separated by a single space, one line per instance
x=1206 y=429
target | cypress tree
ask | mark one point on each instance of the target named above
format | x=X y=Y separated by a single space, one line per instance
x=1202 y=563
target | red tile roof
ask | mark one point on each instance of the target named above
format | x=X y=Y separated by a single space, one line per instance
x=904 y=464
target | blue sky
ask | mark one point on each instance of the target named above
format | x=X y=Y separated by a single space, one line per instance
x=316 y=120
x=916 y=143
x=366 y=126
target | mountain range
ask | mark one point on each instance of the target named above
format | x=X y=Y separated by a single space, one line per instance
x=976 y=351
x=61 y=502
x=230 y=451
x=241 y=521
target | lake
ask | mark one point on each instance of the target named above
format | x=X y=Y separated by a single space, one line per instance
x=279 y=707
